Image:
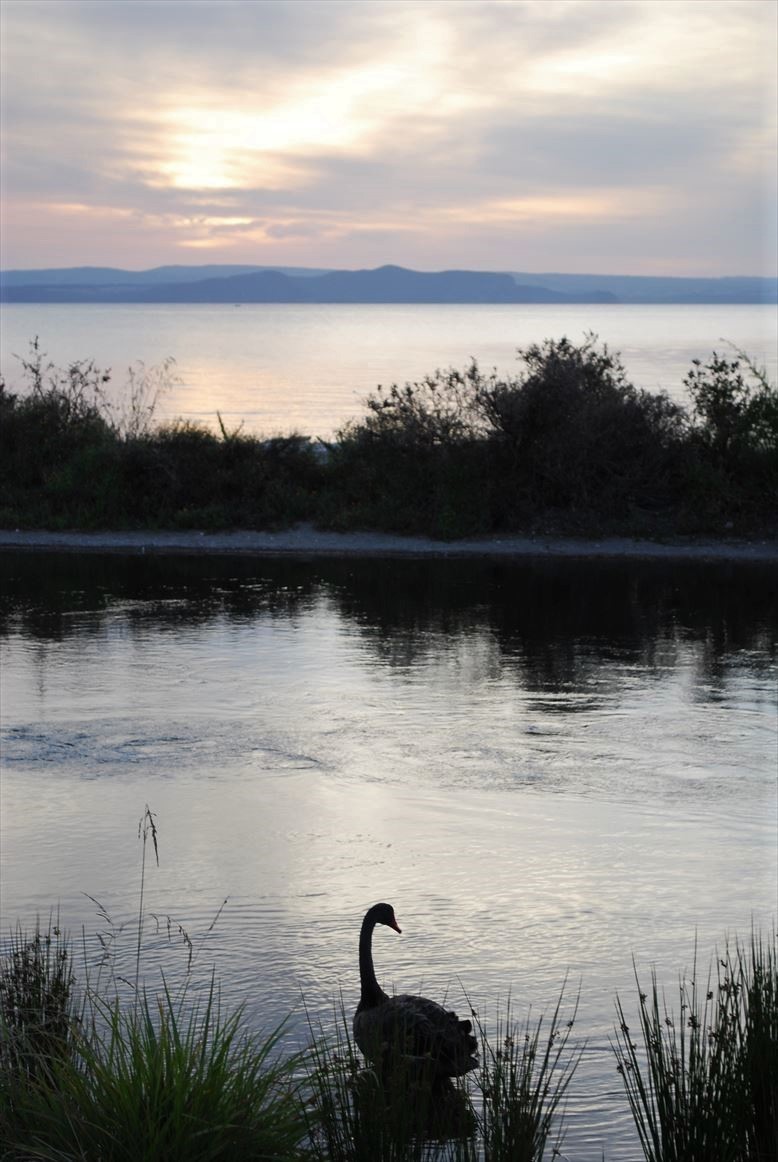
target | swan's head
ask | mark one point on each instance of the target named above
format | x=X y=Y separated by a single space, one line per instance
x=383 y=914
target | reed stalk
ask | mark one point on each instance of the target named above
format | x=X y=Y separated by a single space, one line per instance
x=702 y=1081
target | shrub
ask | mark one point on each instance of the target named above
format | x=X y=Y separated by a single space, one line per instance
x=574 y=434
x=441 y=409
x=733 y=449
x=735 y=406
x=570 y=435
x=62 y=441
x=57 y=418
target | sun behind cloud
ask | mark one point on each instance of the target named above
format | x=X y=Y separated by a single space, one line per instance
x=517 y=134
x=329 y=113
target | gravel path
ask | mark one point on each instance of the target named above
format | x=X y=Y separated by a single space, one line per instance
x=306 y=541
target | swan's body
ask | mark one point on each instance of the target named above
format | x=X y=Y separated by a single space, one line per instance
x=409 y=1027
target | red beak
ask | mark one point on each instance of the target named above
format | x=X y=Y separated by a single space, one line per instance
x=396 y=926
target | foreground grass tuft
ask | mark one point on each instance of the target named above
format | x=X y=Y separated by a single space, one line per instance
x=161 y=1081
x=87 y=1072
x=702 y=1082
x=168 y=1077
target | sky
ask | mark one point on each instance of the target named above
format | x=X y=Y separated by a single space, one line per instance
x=590 y=136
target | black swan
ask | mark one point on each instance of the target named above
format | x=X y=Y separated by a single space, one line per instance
x=412 y=1029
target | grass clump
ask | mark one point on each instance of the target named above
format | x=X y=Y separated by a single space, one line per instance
x=702 y=1082
x=162 y=1079
x=89 y=1073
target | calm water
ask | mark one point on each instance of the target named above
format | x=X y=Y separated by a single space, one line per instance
x=546 y=767
x=309 y=368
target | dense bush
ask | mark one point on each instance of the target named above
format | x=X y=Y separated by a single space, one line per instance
x=733 y=449
x=566 y=445
x=570 y=440
x=735 y=406
x=574 y=435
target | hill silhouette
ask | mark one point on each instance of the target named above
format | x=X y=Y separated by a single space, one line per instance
x=385 y=284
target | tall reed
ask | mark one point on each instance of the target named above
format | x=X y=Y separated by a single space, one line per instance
x=758 y=977
x=526 y=1069
x=37 y=1013
x=702 y=1082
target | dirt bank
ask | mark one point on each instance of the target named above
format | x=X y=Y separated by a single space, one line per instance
x=305 y=541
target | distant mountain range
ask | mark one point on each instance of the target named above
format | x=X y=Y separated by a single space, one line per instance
x=386 y=284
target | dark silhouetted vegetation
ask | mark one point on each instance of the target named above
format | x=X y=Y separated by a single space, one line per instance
x=85 y=1074
x=702 y=1081
x=569 y=445
x=98 y=1068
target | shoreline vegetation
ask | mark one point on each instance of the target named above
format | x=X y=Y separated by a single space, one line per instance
x=95 y=1064
x=567 y=448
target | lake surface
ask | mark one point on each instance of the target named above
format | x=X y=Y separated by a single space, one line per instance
x=547 y=767
x=282 y=367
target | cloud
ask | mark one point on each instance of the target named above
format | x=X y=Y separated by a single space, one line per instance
x=442 y=132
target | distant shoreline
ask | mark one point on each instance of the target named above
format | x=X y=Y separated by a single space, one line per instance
x=383 y=285
x=306 y=541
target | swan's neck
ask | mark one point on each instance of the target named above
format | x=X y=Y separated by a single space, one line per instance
x=371 y=994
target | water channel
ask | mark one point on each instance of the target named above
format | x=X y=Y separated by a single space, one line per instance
x=549 y=768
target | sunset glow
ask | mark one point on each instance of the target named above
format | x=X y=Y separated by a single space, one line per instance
x=501 y=134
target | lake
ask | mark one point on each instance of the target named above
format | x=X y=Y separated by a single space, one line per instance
x=281 y=367
x=548 y=767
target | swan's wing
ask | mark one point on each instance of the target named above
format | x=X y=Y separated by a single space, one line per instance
x=420 y=1028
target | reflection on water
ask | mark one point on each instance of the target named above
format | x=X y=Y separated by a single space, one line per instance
x=551 y=613
x=547 y=767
